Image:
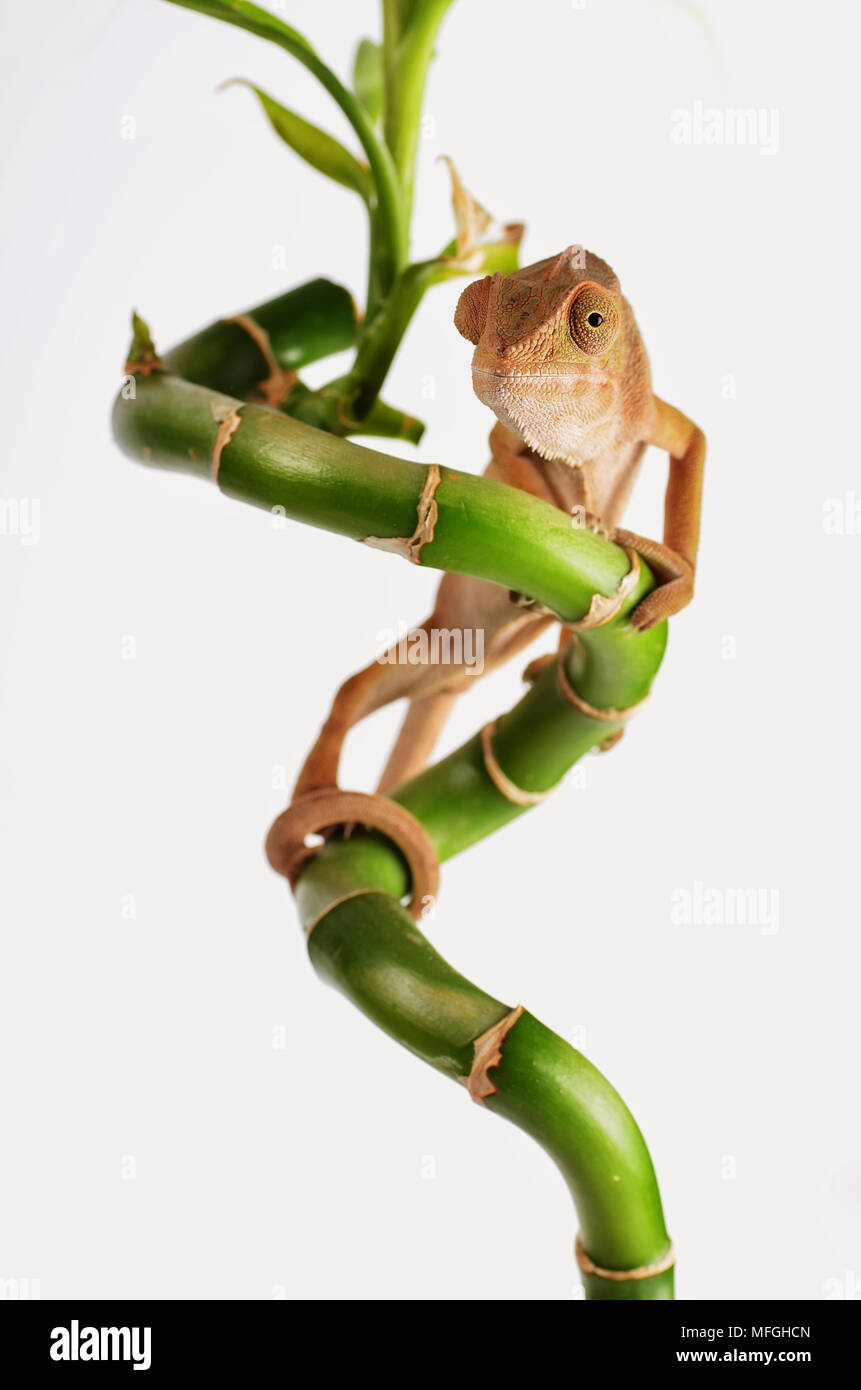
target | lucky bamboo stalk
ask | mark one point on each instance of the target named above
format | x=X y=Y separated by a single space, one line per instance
x=257 y=455
x=199 y=411
x=370 y=948
x=368 y=945
x=237 y=355
x=256 y=355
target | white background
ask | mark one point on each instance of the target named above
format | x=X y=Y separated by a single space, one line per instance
x=155 y=1141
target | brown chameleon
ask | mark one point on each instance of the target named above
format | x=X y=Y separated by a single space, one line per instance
x=560 y=361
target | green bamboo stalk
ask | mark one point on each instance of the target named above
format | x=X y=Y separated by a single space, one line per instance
x=368 y=945
x=381 y=339
x=195 y=413
x=409 y=34
x=302 y=326
x=487 y=529
x=357 y=391
x=369 y=948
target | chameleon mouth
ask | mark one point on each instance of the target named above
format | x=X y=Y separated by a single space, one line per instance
x=596 y=377
x=568 y=402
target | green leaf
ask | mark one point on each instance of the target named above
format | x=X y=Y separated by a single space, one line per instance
x=390 y=222
x=368 y=77
x=142 y=356
x=501 y=255
x=319 y=149
x=481 y=246
x=253 y=18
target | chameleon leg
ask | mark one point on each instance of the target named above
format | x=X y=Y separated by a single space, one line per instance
x=427 y=715
x=378 y=684
x=673 y=560
x=676 y=579
x=464 y=605
x=418 y=734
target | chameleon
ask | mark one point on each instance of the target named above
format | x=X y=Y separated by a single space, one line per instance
x=559 y=359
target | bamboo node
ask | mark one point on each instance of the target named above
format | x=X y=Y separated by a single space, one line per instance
x=276 y=387
x=621 y=1276
x=487 y=1054
x=603 y=610
x=143 y=366
x=608 y=714
x=536 y=666
x=410 y=547
x=227 y=427
x=503 y=783
x=345 y=898
x=327 y=807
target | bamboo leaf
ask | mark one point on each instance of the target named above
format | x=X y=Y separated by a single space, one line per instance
x=481 y=246
x=255 y=19
x=319 y=149
x=390 y=222
x=501 y=255
x=368 y=77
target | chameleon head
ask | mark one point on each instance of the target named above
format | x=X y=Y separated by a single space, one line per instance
x=552 y=344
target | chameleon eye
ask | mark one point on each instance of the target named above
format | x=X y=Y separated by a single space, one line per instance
x=593 y=320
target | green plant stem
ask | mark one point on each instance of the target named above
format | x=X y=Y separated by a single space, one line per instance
x=409 y=34
x=484 y=528
x=305 y=324
x=349 y=404
x=389 y=219
x=381 y=338
x=368 y=945
x=536 y=742
x=329 y=409
x=370 y=949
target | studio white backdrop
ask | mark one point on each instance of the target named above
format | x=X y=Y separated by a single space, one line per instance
x=187 y=1111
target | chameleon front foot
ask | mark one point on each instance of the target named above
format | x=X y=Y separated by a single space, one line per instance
x=675 y=576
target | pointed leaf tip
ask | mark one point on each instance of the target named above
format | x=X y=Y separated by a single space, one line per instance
x=319 y=149
x=368 y=77
x=142 y=357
